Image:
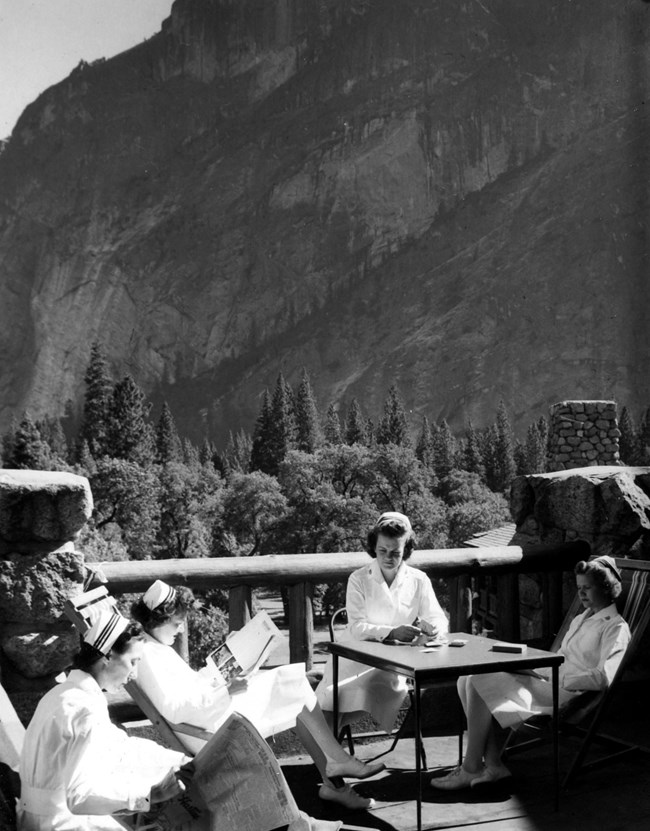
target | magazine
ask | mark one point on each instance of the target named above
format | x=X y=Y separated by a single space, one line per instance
x=245 y=650
x=237 y=784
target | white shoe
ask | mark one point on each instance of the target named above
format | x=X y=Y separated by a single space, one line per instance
x=454 y=781
x=307 y=823
x=346 y=796
x=491 y=775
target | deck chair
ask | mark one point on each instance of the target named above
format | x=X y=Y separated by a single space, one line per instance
x=408 y=722
x=584 y=715
x=82 y=611
x=12 y=736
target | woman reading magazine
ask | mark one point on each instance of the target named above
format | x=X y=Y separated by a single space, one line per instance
x=272 y=700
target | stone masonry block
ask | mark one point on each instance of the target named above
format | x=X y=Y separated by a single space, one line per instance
x=34 y=587
x=35 y=654
x=42 y=506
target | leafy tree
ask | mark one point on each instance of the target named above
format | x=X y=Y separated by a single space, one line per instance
x=168 y=443
x=190 y=502
x=346 y=467
x=253 y=504
x=393 y=427
x=308 y=432
x=332 y=427
x=127 y=508
x=444 y=447
x=261 y=448
x=130 y=434
x=395 y=475
x=629 y=445
x=207 y=628
x=473 y=507
x=355 y=425
x=96 y=420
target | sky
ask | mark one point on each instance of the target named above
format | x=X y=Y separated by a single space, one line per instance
x=41 y=42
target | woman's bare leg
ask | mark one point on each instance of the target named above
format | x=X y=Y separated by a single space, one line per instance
x=479 y=729
x=329 y=757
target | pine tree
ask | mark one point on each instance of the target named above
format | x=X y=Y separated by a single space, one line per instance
x=444 y=450
x=168 y=443
x=644 y=438
x=505 y=462
x=473 y=458
x=545 y=437
x=308 y=432
x=488 y=440
x=191 y=454
x=27 y=450
x=519 y=456
x=208 y=455
x=237 y=454
x=130 y=434
x=355 y=425
x=629 y=444
x=371 y=433
x=424 y=449
x=332 y=427
x=52 y=434
x=95 y=423
x=534 y=450
x=393 y=427
x=260 y=450
x=282 y=433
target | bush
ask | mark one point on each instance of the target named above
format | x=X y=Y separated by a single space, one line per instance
x=207 y=628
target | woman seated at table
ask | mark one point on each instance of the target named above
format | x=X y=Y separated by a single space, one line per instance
x=273 y=700
x=593 y=648
x=386 y=600
x=76 y=767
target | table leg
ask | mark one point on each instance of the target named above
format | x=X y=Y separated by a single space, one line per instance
x=556 y=730
x=418 y=748
x=335 y=696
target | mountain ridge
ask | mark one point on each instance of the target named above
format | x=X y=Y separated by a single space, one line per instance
x=445 y=195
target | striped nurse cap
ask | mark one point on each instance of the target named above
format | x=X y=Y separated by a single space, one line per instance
x=106 y=629
x=157 y=594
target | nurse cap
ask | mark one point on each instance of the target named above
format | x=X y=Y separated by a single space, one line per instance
x=609 y=563
x=106 y=629
x=157 y=594
x=394 y=516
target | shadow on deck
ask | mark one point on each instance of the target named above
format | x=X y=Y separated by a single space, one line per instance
x=615 y=797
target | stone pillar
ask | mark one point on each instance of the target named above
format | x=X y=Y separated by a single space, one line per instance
x=41 y=514
x=583 y=434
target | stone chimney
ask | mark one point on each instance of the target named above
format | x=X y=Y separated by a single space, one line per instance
x=41 y=514
x=583 y=434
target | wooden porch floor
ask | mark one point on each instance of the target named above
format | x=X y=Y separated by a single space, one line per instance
x=613 y=798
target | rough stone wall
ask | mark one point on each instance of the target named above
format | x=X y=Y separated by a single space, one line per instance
x=583 y=434
x=41 y=514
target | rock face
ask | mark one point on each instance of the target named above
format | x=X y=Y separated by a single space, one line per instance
x=608 y=507
x=449 y=194
x=40 y=515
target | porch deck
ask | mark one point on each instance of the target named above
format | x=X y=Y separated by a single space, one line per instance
x=613 y=798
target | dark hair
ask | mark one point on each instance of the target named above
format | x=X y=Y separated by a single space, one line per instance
x=89 y=655
x=149 y=619
x=604 y=578
x=394 y=529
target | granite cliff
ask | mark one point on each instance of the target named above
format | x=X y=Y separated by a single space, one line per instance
x=449 y=193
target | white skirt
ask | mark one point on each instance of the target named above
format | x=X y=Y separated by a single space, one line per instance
x=513 y=699
x=363 y=688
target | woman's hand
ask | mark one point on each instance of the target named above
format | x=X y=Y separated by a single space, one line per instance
x=405 y=633
x=237 y=685
x=167 y=788
x=428 y=629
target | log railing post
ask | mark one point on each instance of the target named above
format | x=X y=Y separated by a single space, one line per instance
x=301 y=623
x=240 y=605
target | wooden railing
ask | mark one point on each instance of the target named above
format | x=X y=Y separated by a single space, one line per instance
x=300 y=572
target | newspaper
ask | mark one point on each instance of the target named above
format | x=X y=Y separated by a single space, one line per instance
x=237 y=784
x=245 y=650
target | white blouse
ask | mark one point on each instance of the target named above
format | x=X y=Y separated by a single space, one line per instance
x=375 y=608
x=77 y=768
